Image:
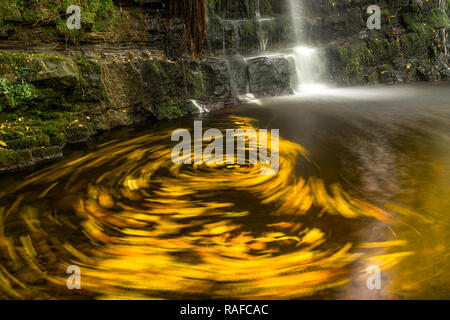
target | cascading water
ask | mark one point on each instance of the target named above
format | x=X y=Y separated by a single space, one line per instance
x=310 y=68
x=443 y=8
x=307 y=67
x=262 y=36
x=309 y=62
x=444 y=35
x=296 y=8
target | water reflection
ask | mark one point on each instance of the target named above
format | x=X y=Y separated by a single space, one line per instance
x=139 y=226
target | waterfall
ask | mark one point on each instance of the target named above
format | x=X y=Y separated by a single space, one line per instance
x=296 y=8
x=262 y=36
x=444 y=36
x=310 y=68
x=309 y=62
x=306 y=67
x=234 y=88
x=443 y=8
x=230 y=37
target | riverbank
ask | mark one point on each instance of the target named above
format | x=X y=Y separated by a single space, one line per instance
x=48 y=101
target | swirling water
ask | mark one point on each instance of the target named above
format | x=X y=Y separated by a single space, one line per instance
x=363 y=181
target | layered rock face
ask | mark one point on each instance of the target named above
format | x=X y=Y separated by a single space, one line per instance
x=412 y=44
x=247 y=27
x=269 y=76
x=48 y=101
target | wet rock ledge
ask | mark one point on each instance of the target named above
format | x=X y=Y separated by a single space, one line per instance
x=49 y=101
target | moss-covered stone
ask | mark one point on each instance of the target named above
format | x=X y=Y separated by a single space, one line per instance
x=90 y=82
x=415 y=45
x=39 y=69
x=97 y=15
x=195 y=80
x=38 y=83
x=11 y=159
x=382 y=50
x=347 y=63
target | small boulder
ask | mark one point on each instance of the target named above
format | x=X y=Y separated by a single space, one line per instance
x=269 y=76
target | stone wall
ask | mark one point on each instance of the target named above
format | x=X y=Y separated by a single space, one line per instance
x=60 y=99
x=409 y=47
x=47 y=101
x=238 y=27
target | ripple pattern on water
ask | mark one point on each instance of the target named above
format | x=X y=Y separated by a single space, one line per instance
x=139 y=226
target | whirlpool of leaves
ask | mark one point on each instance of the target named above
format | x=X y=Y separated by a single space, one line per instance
x=139 y=226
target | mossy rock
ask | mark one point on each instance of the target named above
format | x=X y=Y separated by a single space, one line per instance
x=350 y=61
x=383 y=50
x=47 y=71
x=35 y=140
x=172 y=111
x=371 y=76
x=97 y=15
x=12 y=158
x=414 y=45
x=195 y=80
x=166 y=87
x=46 y=153
x=79 y=133
x=90 y=84
x=16 y=159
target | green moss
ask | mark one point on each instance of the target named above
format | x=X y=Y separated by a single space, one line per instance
x=42 y=153
x=15 y=94
x=372 y=76
x=79 y=133
x=44 y=56
x=353 y=59
x=413 y=44
x=383 y=50
x=25 y=131
x=38 y=83
x=9 y=158
x=14 y=90
x=172 y=110
x=26 y=142
x=438 y=19
x=40 y=117
x=168 y=111
x=194 y=81
x=96 y=15
x=197 y=89
x=90 y=87
x=386 y=74
x=10 y=10
x=248 y=34
x=58 y=139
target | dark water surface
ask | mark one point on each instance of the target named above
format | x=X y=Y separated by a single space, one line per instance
x=364 y=180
